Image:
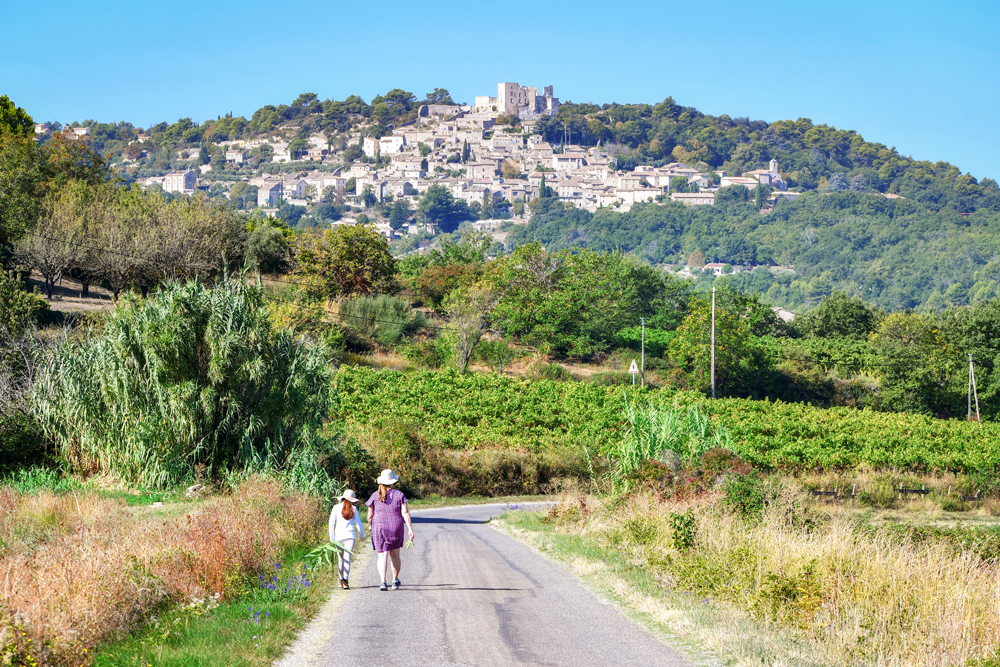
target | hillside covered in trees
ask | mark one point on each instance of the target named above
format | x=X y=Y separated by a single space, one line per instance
x=891 y=252
x=811 y=157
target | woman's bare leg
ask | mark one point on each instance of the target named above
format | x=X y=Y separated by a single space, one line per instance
x=394 y=555
x=382 y=563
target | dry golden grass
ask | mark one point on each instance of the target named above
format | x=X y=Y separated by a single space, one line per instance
x=856 y=596
x=77 y=570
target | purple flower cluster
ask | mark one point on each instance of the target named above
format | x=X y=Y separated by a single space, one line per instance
x=255 y=616
x=294 y=585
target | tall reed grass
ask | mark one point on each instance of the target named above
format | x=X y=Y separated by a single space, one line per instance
x=193 y=376
x=80 y=570
x=655 y=429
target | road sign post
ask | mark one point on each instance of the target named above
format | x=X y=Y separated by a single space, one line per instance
x=633 y=369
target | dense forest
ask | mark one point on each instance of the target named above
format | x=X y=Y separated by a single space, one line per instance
x=891 y=252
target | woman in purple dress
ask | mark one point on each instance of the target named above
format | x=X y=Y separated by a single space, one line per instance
x=387 y=518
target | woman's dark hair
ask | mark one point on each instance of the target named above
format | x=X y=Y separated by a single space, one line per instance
x=347 y=511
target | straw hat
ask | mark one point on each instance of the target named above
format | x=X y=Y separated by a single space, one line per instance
x=349 y=496
x=387 y=478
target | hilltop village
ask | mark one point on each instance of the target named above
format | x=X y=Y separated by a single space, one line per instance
x=485 y=154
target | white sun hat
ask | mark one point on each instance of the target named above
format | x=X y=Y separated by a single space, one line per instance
x=387 y=478
x=349 y=496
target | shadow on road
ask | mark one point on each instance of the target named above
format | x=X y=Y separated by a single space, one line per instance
x=421 y=519
x=443 y=587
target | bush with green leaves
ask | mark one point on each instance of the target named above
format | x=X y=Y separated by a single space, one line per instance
x=192 y=376
x=382 y=319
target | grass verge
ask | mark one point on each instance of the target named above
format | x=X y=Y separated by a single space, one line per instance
x=252 y=630
x=705 y=630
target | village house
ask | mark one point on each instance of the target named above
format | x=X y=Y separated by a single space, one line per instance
x=386 y=145
x=293 y=188
x=269 y=192
x=235 y=157
x=180 y=181
x=749 y=183
x=694 y=198
x=316 y=153
x=568 y=160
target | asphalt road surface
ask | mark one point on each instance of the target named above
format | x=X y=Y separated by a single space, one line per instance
x=472 y=596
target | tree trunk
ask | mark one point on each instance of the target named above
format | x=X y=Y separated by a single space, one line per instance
x=84 y=289
x=145 y=290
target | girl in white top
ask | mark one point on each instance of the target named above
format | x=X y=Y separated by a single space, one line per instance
x=345 y=530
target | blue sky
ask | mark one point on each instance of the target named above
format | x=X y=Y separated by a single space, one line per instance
x=920 y=76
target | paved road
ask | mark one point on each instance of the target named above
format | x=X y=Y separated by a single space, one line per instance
x=472 y=596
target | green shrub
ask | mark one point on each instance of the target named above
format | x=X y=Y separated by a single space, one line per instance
x=22 y=443
x=33 y=480
x=549 y=371
x=192 y=376
x=497 y=354
x=880 y=494
x=748 y=495
x=684 y=530
x=433 y=353
x=383 y=319
x=657 y=340
x=611 y=379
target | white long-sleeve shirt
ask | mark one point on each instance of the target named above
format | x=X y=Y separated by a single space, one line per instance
x=345 y=529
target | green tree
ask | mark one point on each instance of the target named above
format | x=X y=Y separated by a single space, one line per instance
x=346 y=261
x=368 y=197
x=917 y=364
x=469 y=313
x=840 y=316
x=466 y=154
x=732 y=194
x=439 y=96
x=399 y=214
x=575 y=303
x=439 y=207
x=14 y=120
x=296 y=148
x=268 y=248
x=424 y=149
x=743 y=367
